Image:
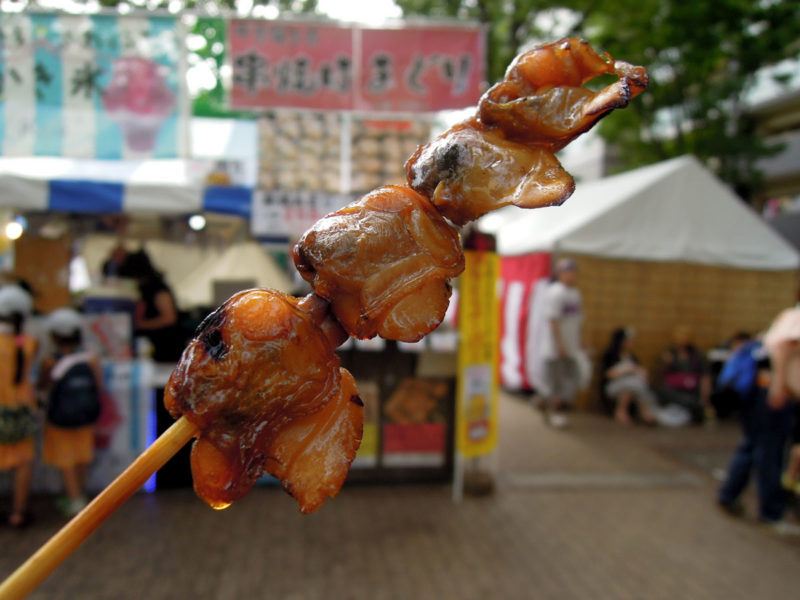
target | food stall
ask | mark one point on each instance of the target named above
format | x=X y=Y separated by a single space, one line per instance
x=323 y=143
x=315 y=146
x=63 y=214
x=408 y=389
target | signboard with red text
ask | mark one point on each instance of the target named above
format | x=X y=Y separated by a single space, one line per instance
x=420 y=69
x=329 y=67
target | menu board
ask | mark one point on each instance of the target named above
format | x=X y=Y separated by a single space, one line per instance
x=380 y=149
x=415 y=423
x=300 y=151
x=304 y=175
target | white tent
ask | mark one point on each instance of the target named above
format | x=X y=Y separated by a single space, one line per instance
x=673 y=211
x=245 y=261
x=172 y=259
x=660 y=245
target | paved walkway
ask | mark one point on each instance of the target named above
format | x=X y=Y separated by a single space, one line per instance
x=595 y=511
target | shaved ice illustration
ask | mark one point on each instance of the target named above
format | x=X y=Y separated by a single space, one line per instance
x=139 y=100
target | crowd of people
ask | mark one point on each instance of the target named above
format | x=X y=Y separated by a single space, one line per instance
x=765 y=376
x=681 y=392
x=52 y=389
x=759 y=380
x=68 y=382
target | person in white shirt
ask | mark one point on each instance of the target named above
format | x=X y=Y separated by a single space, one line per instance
x=562 y=341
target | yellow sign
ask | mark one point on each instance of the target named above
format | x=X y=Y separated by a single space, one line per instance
x=476 y=408
x=367 y=455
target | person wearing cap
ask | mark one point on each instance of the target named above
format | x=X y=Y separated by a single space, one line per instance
x=17 y=397
x=71 y=450
x=562 y=342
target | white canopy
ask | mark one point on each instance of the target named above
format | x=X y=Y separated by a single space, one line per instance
x=41 y=183
x=675 y=210
x=173 y=259
x=245 y=261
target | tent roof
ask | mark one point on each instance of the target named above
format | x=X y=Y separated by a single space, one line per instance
x=173 y=259
x=40 y=183
x=162 y=186
x=675 y=210
x=243 y=261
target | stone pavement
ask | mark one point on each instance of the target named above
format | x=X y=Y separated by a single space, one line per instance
x=595 y=511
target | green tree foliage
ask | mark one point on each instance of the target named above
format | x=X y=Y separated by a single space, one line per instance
x=702 y=57
x=212 y=103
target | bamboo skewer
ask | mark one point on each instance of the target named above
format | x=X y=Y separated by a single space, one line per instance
x=34 y=570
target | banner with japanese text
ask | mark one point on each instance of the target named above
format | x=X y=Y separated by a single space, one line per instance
x=476 y=396
x=281 y=213
x=93 y=86
x=330 y=67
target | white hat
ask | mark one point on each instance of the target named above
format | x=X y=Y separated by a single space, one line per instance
x=13 y=299
x=64 y=322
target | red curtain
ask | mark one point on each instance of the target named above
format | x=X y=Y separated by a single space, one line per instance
x=519 y=275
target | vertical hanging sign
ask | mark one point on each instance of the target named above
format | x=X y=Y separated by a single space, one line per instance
x=476 y=396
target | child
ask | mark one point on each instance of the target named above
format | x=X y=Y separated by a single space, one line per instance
x=17 y=398
x=69 y=446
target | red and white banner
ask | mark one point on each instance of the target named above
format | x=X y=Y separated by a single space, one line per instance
x=330 y=67
x=520 y=277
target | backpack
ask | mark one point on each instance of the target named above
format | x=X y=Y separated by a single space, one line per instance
x=74 y=398
x=740 y=372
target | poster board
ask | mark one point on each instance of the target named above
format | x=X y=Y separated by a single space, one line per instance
x=325 y=66
x=93 y=86
x=415 y=424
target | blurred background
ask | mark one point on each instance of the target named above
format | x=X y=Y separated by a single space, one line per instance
x=208 y=136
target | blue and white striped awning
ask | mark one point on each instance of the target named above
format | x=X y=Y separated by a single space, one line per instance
x=81 y=186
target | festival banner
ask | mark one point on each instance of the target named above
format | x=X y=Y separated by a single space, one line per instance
x=419 y=69
x=293 y=65
x=92 y=86
x=280 y=64
x=477 y=403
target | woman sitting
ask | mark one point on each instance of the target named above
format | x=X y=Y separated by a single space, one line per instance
x=685 y=380
x=624 y=380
